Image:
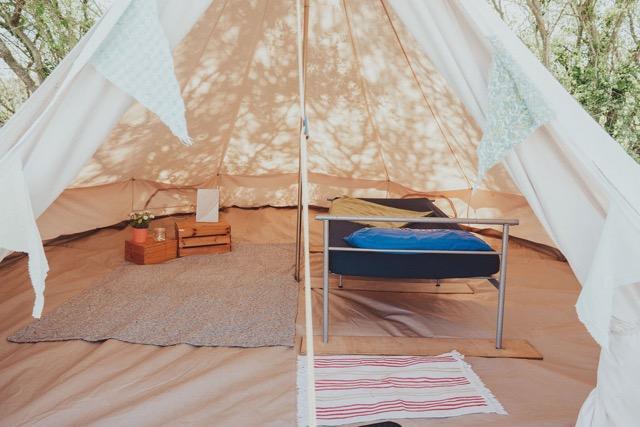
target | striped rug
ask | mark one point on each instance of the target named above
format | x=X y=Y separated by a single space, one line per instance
x=355 y=389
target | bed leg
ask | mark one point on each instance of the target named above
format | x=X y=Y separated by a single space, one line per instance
x=340 y=281
x=438 y=282
x=325 y=282
x=502 y=284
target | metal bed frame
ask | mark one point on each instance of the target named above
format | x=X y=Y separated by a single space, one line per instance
x=499 y=284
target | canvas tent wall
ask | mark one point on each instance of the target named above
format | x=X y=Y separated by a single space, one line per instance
x=243 y=117
x=383 y=122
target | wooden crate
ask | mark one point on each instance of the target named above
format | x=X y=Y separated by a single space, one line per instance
x=150 y=252
x=203 y=237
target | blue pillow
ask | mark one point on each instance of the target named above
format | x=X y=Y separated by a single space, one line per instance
x=421 y=239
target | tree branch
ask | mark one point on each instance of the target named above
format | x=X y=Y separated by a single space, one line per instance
x=553 y=26
x=20 y=71
x=33 y=52
x=541 y=26
x=618 y=18
x=17 y=13
x=497 y=5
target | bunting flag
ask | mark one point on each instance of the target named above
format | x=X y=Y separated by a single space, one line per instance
x=515 y=109
x=136 y=57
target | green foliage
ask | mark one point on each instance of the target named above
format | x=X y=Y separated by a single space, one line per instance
x=35 y=35
x=593 y=49
x=611 y=94
x=12 y=95
x=141 y=219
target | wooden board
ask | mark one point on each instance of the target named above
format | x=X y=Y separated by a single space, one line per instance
x=190 y=228
x=189 y=242
x=200 y=250
x=316 y=249
x=394 y=285
x=410 y=346
x=150 y=252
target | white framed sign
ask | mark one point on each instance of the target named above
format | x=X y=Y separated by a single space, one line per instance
x=207 y=204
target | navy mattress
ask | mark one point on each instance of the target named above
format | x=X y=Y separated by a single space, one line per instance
x=406 y=266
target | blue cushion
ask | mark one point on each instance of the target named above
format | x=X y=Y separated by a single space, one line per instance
x=421 y=239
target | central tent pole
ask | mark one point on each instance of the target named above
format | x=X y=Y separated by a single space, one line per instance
x=296 y=274
x=302 y=125
x=304 y=193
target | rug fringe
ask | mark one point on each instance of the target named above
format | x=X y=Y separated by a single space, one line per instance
x=475 y=379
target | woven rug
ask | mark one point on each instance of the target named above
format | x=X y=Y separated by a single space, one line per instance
x=244 y=298
x=356 y=389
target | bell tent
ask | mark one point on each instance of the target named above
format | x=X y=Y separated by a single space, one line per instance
x=279 y=103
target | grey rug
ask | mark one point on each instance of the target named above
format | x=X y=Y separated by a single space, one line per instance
x=245 y=298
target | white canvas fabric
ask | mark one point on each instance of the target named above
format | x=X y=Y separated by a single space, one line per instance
x=592 y=213
x=396 y=93
x=19 y=231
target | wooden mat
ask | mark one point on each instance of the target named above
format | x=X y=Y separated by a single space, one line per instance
x=411 y=346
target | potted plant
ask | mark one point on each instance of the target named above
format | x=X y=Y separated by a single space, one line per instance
x=140 y=222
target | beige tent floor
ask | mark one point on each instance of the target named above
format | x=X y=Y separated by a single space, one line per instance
x=114 y=383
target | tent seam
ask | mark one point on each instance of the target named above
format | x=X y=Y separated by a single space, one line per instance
x=442 y=128
x=363 y=87
x=243 y=84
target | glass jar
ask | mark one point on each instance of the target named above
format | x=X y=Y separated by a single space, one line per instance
x=160 y=234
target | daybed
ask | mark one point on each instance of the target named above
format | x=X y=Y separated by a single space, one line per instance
x=342 y=259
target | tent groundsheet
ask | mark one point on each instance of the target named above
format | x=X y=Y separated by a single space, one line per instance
x=75 y=382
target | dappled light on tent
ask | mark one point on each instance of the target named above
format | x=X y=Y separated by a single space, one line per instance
x=396 y=102
x=378 y=109
x=343 y=139
x=265 y=134
x=240 y=95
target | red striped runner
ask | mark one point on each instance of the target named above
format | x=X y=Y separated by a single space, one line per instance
x=352 y=389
